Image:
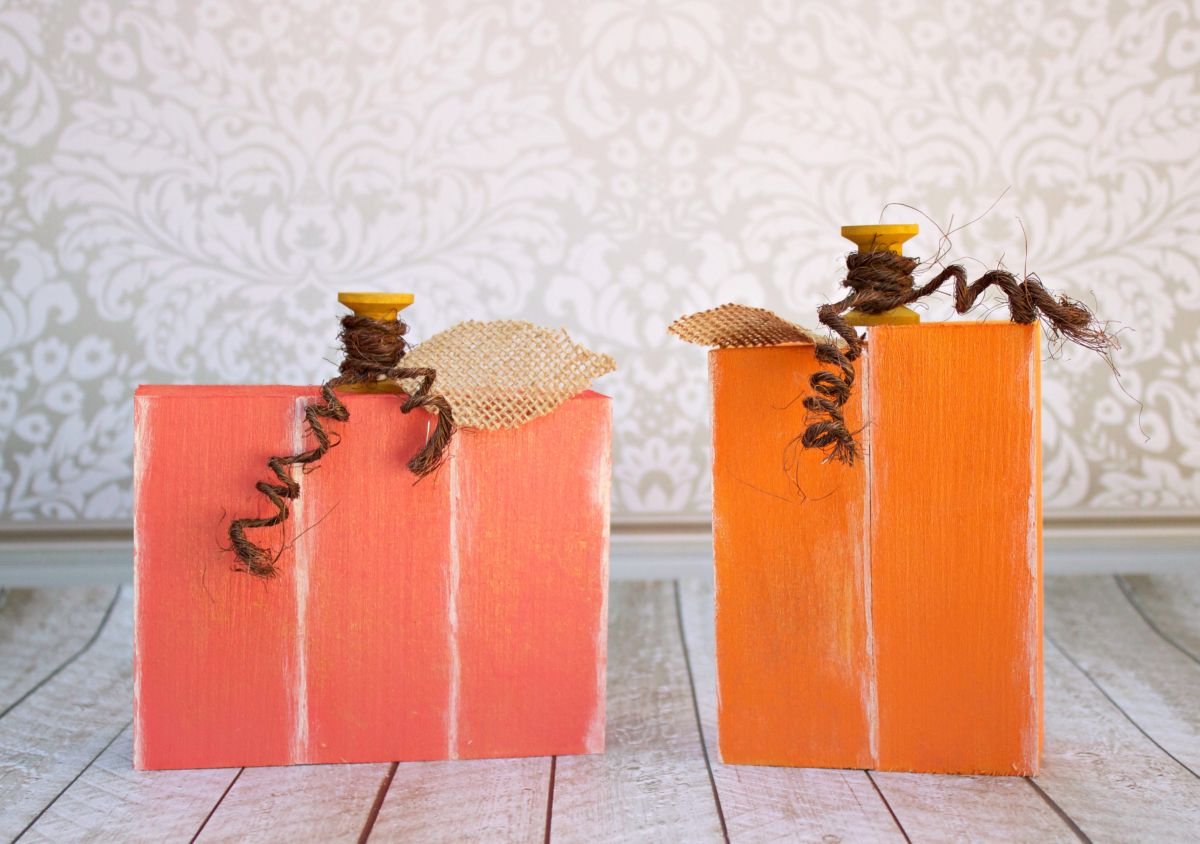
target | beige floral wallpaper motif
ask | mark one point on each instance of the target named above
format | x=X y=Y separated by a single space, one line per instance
x=184 y=186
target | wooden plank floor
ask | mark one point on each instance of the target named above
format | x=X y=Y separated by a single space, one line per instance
x=1122 y=758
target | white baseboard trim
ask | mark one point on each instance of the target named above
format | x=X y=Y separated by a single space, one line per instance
x=86 y=554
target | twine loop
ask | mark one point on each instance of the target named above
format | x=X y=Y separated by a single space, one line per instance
x=881 y=281
x=374 y=350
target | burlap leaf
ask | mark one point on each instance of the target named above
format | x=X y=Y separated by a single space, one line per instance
x=738 y=326
x=503 y=373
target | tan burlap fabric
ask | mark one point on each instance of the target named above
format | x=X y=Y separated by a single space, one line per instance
x=738 y=326
x=501 y=374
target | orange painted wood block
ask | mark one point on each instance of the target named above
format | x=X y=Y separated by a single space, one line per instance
x=886 y=615
x=462 y=616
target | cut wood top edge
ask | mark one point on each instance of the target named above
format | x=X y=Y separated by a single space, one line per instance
x=279 y=391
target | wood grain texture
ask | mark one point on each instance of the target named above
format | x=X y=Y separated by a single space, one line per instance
x=532 y=509
x=461 y=616
x=885 y=615
x=42 y=629
x=971 y=808
x=652 y=783
x=1148 y=678
x=214 y=655
x=112 y=802
x=1169 y=603
x=792 y=644
x=1103 y=771
x=54 y=734
x=374 y=595
x=481 y=800
x=955 y=490
x=300 y=803
x=764 y=804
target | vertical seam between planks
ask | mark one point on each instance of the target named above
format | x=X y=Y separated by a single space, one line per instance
x=377 y=804
x=888 y=806
x=300 y=561
x=550 y=797
x=1128 y=593
x=216 y=805
x=1117 y=706
x=82 y=650
x=74 y=779
x=1058 y=810
x=452 y=615
x=687 y=661
x=872 y=701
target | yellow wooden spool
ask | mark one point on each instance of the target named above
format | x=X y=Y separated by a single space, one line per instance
x=888 y=238
x=381 y=306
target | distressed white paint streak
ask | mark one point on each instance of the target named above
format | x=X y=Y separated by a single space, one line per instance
x=601 y=481
x=300 y=550
x=143 y=444
x=872 y=684
x=1029 y=740
x=452 y=609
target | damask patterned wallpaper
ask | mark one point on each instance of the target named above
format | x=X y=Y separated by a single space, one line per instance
x=184 y=186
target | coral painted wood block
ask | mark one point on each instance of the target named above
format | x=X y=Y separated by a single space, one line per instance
x=461 y=616
x=886 y=615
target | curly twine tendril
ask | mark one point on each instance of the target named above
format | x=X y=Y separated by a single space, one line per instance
x=373 y=352
x=881 y=281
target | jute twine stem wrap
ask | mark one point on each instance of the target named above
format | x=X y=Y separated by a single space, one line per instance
x=373 y=352
x=879 y=282
x=494 y=374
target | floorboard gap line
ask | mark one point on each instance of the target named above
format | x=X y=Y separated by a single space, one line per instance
x=1117 y=706
x=373 y=815
x=216 y=805
x=888 y=806
x=86 y=646
x=687 y=660
x=1125 y=590
x=74 y=779
x=550 y=797
x=1058 y=810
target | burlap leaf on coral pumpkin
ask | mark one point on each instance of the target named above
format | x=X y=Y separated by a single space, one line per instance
x=503 y=373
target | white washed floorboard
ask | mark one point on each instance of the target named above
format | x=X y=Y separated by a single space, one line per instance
x=652 y=783
x=50 y=738
x=40 y=629
x=113 y=802
x=501 y=800
x=1171 y=603
x=1103 y=772
x=1147 y=677
x=299 y=803
x=1099 y=767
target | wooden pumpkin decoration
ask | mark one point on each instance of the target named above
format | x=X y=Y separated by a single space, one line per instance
x=458 y=615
